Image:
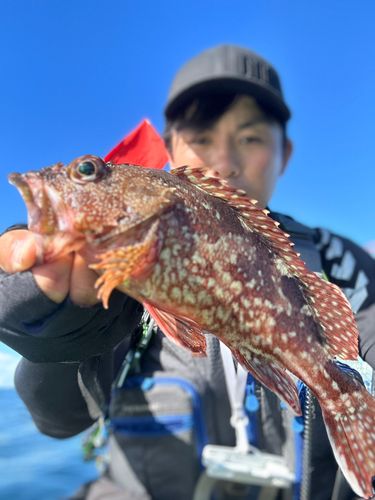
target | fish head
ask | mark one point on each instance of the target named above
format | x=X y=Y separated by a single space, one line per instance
x=88 y=201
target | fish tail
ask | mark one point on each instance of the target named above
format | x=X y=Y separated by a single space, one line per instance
x=350 y=424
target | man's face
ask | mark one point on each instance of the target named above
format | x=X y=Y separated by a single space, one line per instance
x=241 y=147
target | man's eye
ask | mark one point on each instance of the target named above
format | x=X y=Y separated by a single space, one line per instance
x=249 y=139
x=200 y=141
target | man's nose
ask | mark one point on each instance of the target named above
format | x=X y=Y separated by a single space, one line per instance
x=224 y=163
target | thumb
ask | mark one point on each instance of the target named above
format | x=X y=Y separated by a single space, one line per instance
x=17 y=251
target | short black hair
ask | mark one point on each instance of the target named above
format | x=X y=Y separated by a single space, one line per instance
x=202 y=111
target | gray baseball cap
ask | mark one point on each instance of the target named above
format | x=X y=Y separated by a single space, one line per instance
x=228 y=68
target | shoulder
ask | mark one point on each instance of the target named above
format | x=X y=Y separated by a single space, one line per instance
x=337 y=248
x=293 y=226
x=349 y=266
x=345 y=263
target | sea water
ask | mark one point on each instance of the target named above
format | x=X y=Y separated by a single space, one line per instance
x=33 y=466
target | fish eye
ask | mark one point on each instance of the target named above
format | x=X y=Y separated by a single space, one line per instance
x=87 y=169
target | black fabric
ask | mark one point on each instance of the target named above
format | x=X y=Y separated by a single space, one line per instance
x=363 y=262
x=304 y=239
x=43 y=331
x=98 y=373
x=366 y=325
x=52 y=396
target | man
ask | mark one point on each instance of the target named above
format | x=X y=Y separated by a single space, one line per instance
x=226 y=112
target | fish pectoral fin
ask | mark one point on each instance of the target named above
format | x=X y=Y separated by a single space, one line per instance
x=121 y=264
x=273 y=376
x=181 y=331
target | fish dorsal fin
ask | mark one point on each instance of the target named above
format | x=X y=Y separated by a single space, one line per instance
x=255 y=218
x=181 y=331
x=327 y=302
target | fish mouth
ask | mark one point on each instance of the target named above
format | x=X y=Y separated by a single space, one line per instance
x=46 y=210
x=48 y=217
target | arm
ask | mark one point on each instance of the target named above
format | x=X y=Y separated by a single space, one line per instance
x=51 y=390
x=49 y=312
x=51 y=393
x=43 y=331
x=39 y=319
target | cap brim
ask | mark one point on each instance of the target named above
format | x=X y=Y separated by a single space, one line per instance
x=266 y=97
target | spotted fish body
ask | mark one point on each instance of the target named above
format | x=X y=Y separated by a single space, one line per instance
x=203 y=258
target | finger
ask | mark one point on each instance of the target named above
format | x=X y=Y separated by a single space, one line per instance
x=54 y=278
x=17 y=251
x=82 y=281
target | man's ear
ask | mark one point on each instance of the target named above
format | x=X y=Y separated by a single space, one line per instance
x=171 y=148
x=171 y=161
x=287 y=153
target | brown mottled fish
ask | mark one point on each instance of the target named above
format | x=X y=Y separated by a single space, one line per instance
x=203 y=258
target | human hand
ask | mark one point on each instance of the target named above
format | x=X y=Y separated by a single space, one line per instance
x=68 y=275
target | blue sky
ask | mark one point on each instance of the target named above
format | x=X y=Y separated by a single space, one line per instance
x=77 y=75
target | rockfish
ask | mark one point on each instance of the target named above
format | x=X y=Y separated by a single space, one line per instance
x=203 y=258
